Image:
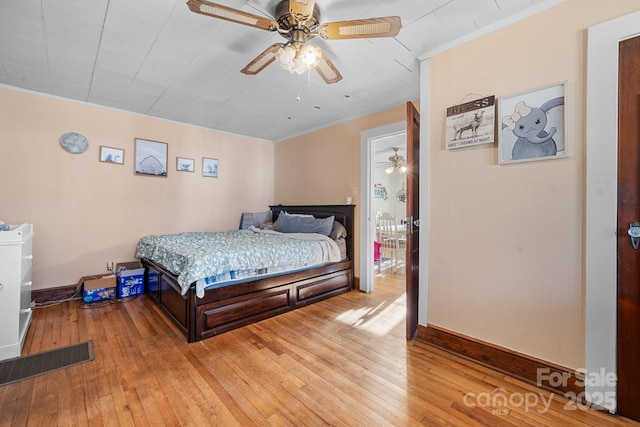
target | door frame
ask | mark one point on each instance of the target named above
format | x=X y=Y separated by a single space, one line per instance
x=367 y=225
x=601 y=198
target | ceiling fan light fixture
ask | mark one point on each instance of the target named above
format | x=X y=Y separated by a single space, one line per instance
x=396 y=163
x=310 y=56
x=285 y=55
x=298 y=58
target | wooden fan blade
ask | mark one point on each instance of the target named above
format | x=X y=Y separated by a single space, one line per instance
x=233 y=15
x=301 y=10
x=388 y=26
x=327 y=70
x=262 y=60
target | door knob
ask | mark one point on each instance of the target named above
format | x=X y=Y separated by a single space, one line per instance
x=634 y=233
x=411 y=223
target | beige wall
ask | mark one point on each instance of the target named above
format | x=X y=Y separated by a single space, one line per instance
x=506 y=241
x=86 y=212
x=322 y=167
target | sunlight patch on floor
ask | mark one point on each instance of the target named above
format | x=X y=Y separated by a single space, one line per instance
x=379 y=320
x=387 y=264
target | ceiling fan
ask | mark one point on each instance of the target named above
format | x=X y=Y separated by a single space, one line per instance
x=298 y=21
x=397 y=162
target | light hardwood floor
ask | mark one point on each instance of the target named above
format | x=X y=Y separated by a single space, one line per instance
x=341 y=362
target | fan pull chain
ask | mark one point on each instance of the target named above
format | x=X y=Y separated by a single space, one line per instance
x=298 y=88
x=298 y=98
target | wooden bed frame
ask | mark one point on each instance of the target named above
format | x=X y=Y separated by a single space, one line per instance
x=229 y=307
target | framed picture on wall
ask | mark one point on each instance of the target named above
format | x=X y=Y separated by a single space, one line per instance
x=111 y=155
x=533 y=125
x=380 y=192
x=151 y=157
x=185 y=165
x=471 y=123
x=210 y=167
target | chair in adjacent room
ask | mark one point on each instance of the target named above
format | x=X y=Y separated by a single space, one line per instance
x=391 y=240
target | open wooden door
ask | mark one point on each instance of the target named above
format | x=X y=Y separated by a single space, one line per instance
x=413 y=215
x=628 y=298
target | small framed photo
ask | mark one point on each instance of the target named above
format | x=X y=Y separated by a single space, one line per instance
x=533 y=125
x=151 y=157
x=185 y=165
x=111 y=155
x=380 y=192
x=210 y=167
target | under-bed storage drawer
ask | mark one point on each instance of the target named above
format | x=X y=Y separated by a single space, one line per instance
x=224 y=315
x=312 y=290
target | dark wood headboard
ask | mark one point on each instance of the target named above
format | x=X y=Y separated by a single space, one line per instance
x=344 y=214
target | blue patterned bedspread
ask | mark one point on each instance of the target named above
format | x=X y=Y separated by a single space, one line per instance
x=196 y=255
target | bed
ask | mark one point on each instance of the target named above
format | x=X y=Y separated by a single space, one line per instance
x=202 y=309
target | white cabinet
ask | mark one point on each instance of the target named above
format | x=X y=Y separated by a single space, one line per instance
x=15 y=288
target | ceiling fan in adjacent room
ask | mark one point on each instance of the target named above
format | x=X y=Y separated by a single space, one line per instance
x=298 y=21
x=397 y=163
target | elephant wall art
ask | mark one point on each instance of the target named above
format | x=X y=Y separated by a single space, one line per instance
x=532 y=125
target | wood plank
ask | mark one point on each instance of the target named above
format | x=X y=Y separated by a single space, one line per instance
x=343 y=361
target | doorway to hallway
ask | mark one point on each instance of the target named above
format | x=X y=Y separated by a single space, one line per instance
x=389 y=206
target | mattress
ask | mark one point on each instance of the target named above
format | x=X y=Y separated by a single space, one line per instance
x=212 y=258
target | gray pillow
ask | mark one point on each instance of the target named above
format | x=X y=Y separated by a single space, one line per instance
x=299 y=224
x=338 y=231
x=256 y=219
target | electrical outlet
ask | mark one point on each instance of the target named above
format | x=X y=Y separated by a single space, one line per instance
x=354 y=190
x=109 y=265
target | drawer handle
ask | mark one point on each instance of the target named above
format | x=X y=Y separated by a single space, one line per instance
x=29 y=257
x=29 y=283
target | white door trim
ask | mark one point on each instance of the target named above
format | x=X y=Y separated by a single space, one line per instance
x=601 y=199
x=367 y=226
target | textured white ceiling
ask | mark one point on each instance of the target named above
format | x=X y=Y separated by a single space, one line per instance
x=155 y=57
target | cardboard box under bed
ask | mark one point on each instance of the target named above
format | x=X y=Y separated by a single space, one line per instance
x=98 y=288
x=130 y=278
